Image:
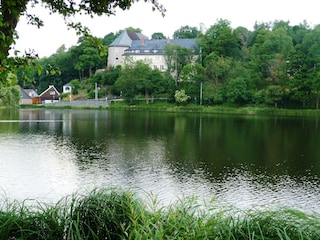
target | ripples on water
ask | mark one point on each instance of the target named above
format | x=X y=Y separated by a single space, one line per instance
x=46 y=169
x=45 y=166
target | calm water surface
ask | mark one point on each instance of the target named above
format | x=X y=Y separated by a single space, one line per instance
x=243 y=161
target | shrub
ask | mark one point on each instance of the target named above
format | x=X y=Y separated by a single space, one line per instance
x=181 y=97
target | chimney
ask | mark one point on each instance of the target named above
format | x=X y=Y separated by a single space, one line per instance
x=142 y=40
x=168 y=40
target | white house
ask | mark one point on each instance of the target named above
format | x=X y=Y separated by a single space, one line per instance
x=139 y=47
x=67 y=88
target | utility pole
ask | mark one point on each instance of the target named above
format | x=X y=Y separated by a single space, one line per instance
x=200 y=93
x=96 y=91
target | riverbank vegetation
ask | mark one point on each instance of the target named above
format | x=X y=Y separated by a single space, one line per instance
x=163 y=106
x=273 y=65
x=118 y=214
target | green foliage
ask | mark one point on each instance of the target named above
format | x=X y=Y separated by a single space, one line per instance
x=75 y=84
x=87 y=57
x=12 y=79
x=274 y=94
x=186 y=32
x=19 y=221
x=192 y=78
x=237 y=91
x=9 y=95
x=118 y=214
x=157 y=35
x=275 y=64
x=132 y=29
x=140 y=78
x=112 y=75
x=102 y=215
x=176 y=58
x=221 y=40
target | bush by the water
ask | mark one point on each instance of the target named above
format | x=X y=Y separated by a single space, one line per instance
x=117 y=214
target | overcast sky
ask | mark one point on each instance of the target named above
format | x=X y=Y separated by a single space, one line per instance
x=46 y=40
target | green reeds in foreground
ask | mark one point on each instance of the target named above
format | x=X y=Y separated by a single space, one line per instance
x=17 y=221
x=118 y=214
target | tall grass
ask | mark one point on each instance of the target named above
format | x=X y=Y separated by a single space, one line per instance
x=18 y=221
x=118 y=214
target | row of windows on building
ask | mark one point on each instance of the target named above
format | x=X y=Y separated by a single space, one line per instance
x=135 y=51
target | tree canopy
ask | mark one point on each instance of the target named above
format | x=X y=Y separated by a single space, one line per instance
x=186 y=32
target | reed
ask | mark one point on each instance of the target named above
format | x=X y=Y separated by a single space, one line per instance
x=19 y=221
x=102 y=214
x=118 y=214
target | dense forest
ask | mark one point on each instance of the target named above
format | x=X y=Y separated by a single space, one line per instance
x=275 y=64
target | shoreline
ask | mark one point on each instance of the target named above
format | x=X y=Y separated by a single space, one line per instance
x=166 y=107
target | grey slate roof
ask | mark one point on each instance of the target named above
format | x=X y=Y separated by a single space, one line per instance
x=125 y=39
x=24 y=94
x=151 y=47
x=28 y=93
x=67 y=85
x=139 y=44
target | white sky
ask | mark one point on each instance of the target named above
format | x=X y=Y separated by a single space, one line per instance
x=46 y=40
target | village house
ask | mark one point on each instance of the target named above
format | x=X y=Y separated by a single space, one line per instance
x=50 y=95
x=67 y=88
x=29 y=96
x=139 y=47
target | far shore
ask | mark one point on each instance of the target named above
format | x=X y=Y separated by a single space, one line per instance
x=168 y=107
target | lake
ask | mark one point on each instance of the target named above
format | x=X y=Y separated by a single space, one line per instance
x=241 y=161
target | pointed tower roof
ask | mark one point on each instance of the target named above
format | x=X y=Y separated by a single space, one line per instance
x=125 y=39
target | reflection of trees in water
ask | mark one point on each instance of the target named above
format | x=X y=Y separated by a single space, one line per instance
x=191 y=141
x=181 y=150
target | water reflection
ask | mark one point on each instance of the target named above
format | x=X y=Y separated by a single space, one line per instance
x=36 y=167
x=241 y=161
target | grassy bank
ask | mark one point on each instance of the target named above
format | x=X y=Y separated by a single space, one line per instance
x=117 y=214
x=218 y=109
x=167 y=107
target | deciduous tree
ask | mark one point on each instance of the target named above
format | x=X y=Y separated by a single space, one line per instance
x=176 y=58
x=157 y=35
x=186 y=32
x=221 y=40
